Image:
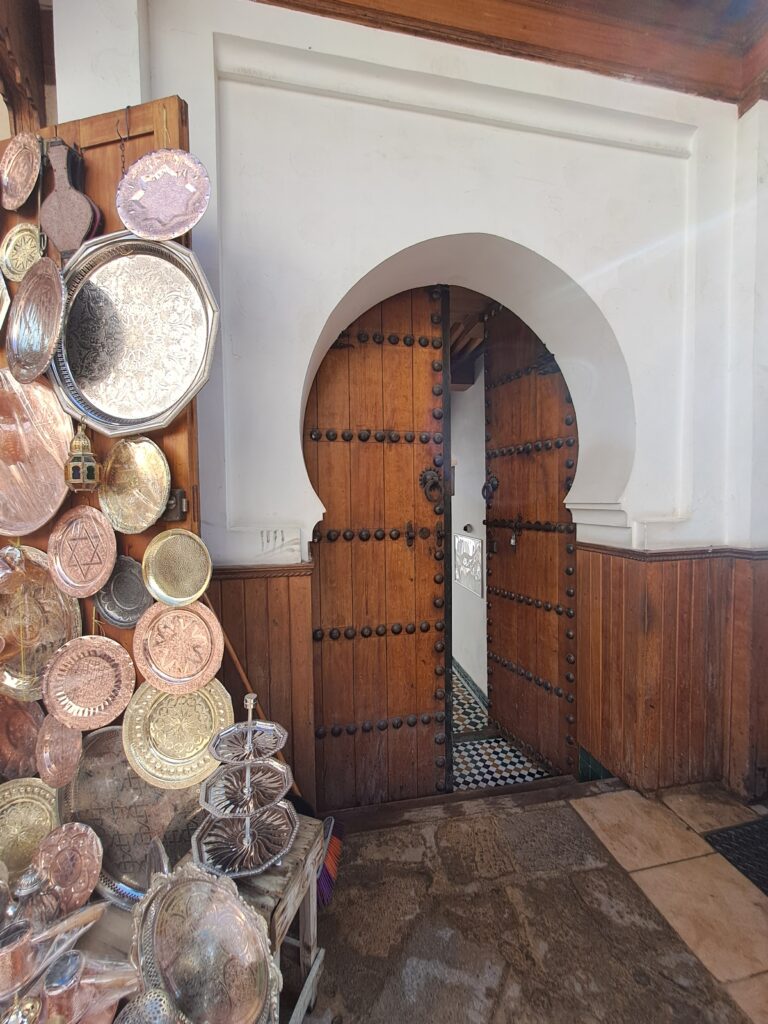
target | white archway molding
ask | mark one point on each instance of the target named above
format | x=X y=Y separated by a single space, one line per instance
x=566 y=319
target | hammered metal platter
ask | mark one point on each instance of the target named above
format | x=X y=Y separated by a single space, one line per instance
x=20 y=724
x=70 y=859
x=19 y=169
x=126 y=813
x=239 y=847
x=163 y=194
x=138 y=341
x=123 y=599
x=35 y=321
x=21 y=248
x=34 y=446
x=240 y=790
x=248 y=741
x=210 y=949
x=176 y=567
x=82 y=551
x=27 y=814
x=88 y=682
x=178 y=650
x=57 y=752
x=36 y=619
x=135 y=485
x=166 y=737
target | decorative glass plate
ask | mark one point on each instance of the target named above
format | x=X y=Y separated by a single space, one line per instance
x=138 y=341
x=126 y=813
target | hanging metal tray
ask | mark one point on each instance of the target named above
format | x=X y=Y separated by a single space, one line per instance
x=138 y=341
x=126 y=813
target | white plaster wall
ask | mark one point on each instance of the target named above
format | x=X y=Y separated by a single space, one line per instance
x=468 y=614
x=333 y=148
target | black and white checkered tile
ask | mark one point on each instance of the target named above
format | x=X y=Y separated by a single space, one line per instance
x=469 y=715
x=479 y=764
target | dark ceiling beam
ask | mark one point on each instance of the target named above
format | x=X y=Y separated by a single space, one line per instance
x=699 y=48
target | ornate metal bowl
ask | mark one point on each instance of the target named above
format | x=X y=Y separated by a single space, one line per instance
x=240 y=790
x=238 y=847
x=138 y=341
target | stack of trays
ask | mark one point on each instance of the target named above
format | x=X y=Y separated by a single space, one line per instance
x=248 y=826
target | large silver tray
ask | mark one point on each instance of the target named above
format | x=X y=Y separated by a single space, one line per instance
x=138 y=341
x=126 y=813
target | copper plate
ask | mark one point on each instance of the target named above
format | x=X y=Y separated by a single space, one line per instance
x=176 y=567
x=166 y=736
x=21 y=249
x=34 y=445
x=178 y=650
x=27 y=814
x=19 y=726
x=58 y=752
x=88 y=682
x=19 y=169
x=35 y=620
x=135 y=485
x=126 y=813
x=163 y=194
x=36 y=320
x=81 y=551
x=123 y=599
x=138 y=341
x=70 y=858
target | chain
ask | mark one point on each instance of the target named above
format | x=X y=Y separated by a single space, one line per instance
x=123 y=139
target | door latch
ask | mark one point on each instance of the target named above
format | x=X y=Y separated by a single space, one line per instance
x=177 y=506
x=410 y=534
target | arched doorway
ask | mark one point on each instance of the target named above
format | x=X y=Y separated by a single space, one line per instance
x=377 y=447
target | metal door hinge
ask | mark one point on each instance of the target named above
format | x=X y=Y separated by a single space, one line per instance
x=177 y=506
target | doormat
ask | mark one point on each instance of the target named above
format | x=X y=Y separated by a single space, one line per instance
x=746 y=847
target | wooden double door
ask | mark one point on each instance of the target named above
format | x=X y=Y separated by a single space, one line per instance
x=377 y=447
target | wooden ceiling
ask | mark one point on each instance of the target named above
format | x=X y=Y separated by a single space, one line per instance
x=716 y=48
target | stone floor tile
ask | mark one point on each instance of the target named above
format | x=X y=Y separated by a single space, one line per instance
x=706 y=806
x=721 y=916
x=640 y=833
x=751 y=994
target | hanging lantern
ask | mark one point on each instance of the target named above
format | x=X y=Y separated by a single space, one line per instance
x=82 y=471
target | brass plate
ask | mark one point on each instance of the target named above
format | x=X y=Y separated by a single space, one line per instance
x=34 y=445
x=70 y=858
x=35 y=620
x=35 y=321
x=135 y=485
x=27 y=814
x=19 y=727
x=127 y=813
x=166 y=737
x=82 y=551
x=163 y=194
x=88 y=682
x=58 y=752
x=176 y=567
x=138 y=341
x=123 y=599
x=178 y=650
x=19 y=169
x=21 y=249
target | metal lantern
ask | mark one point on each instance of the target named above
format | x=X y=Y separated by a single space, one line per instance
x=82 y=471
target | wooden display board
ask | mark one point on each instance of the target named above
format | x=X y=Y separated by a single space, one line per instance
x=160 y=124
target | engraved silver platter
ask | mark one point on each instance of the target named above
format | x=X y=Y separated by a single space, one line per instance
x=123 y=599
x=138 y=341
x=36 y=321
x=240 y=790
x=248 y=741
x=239 y=847
x=163 y=194
x=126 y=813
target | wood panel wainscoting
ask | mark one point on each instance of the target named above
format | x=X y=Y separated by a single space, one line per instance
x=266 y=611
x=672 y=651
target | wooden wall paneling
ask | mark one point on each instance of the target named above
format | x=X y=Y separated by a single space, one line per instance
x=647 y=731
x=300 y=683
x=668 y=673
x=256 y=610
x=759 y=777
x=739 y=771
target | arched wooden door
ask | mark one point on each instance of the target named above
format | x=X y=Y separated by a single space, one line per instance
x=375 y=444
x=531 y=453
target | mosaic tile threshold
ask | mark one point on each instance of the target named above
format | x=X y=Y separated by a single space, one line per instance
x=481 y=764
x=469 y=715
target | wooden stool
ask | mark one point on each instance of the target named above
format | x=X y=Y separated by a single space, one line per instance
x=279 y=894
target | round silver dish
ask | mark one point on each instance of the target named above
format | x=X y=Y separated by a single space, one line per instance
x=123 y=599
